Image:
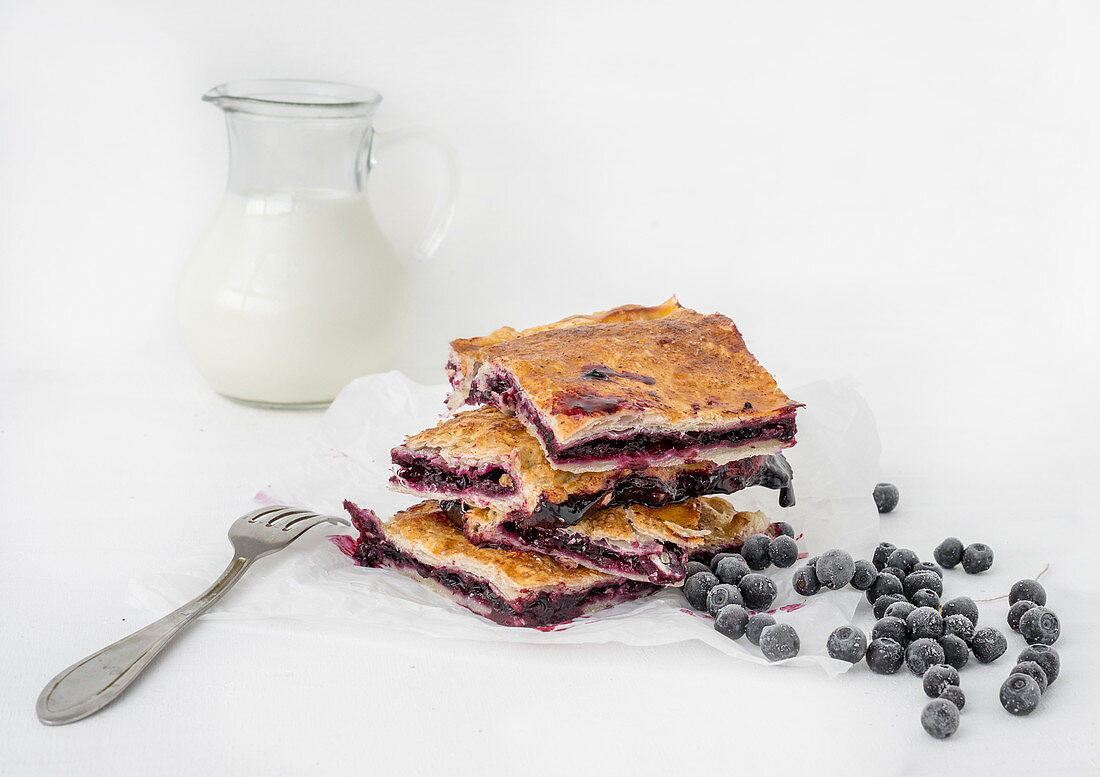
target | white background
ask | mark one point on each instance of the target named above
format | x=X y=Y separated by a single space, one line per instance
x=902 y=194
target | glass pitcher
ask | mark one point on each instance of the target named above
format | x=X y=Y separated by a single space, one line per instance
x=294 y=290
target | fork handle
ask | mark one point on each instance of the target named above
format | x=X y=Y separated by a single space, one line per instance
x=91 y=684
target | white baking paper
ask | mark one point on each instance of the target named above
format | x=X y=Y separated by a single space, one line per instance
x=312 y=583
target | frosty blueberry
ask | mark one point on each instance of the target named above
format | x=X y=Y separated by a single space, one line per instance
x=886 y=497
x=697 y=587
x=882 y=604
x=847 y=643
x=1046 y=657
x=805 y=581
x=717 y=558
x=949 y=553
x=963 y=605
x=692 y=567
x=732 y=568
x=988 y=644
x=925 y=598
x=959 y=625
x=1016 y=611
x=1020 y=694
x=904 y=559
x=779 y=641
x=731 y=621
x=900 y=609
x=897 y=572
x=955 y=651
x=928 y=566
x=1040 y=626
x=863 y=575
x=939 y=677
x=783 y=528
x=758 y=591
x=923 y=578
x=884 y=656
x=940 y=718
x=835 y=568
x=894 y=628
x=884 y=584
x=954 y=694
x=1031 y=590
x=882 y=552
x=921 y=654
x=924 y=622
x=755 y=551
x=756 y=624
x=977 y=557
x=783 y=551
x=1034 y=671
x=721 y=595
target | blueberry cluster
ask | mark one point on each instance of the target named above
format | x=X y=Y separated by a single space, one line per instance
x=976 y=557
x=1038 y=665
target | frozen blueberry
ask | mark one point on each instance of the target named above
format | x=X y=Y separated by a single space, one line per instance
x=779 y=641
x=863 y=575
x=835 y=569
x=1046 y=657
x=783 y=551
x=884 y=656
x=718 y=558
x=926 y=598
x=805 y=581
x=1020 y=694
x=949 y=553
x=1031 y=590
x=882 y=552
x=692 y=567
x=756 y=624
x=884 y=584
x=758 y=591
x=731 y=569
x=959 y=625
x=977 y=557
x=962 y=605
x=924 y=622
x=847 y=643
x=697 y=587
x=1016 y=611
x=988 y=644
x=955 y=651
x=954 y=694
x=940 y=718
x=782 y=528
x=904 y=559
x=1040 y=626
x=928 y=566
x=1034 y=671
x=923 y=578
x=894 y=628
x=882 y=604
x=721 y=595
x=755 y=551
x=901 y=609
x=886 y=497
x=937 y=678
x=731 y=621
x=921 y=654
x=896 y=572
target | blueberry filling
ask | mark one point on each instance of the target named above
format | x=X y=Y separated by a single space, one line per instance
x=428 y=476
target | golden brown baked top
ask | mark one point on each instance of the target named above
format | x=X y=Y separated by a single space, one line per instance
x=681 y=372
x=425 y=533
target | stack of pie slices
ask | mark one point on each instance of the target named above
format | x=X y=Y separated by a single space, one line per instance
x=585 y=475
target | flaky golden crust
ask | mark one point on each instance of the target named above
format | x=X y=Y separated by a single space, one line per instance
x=425 y=533
x=727 y=526
x=465 y=356
x=487 y=439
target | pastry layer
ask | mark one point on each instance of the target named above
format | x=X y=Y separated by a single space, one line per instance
x=636 y=393
x=489 y=460
x=509 y=587
x=634 y=542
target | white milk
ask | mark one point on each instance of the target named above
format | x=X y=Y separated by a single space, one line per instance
x=289 y=296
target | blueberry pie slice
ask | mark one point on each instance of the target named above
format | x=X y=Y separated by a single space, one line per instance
x=650 y=544
x=509 y=587
x=489 y=460
x=634 y=393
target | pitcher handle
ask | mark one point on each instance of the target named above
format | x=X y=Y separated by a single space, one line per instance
x=446 y=195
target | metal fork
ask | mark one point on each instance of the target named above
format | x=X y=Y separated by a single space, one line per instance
x=91 y=684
